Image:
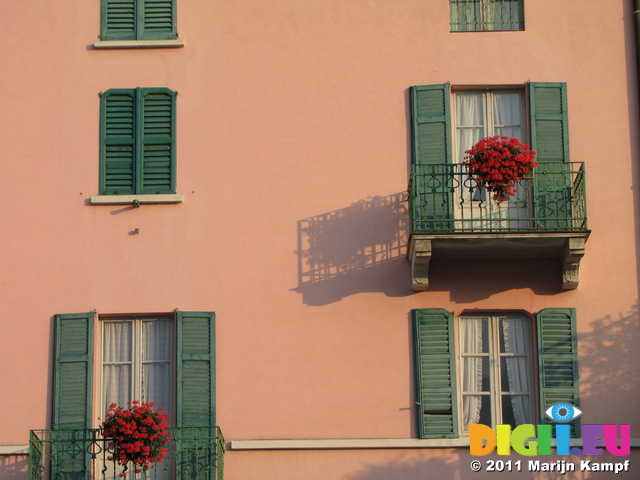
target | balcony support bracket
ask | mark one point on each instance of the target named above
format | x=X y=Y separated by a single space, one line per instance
x=420 y=256
x=571 y=262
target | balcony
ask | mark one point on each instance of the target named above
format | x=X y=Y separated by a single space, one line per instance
x=452 y=218
x=82 y=454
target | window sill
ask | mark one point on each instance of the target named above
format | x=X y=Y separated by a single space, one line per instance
x=111 y=44
x=371 y=443
x=135 y=199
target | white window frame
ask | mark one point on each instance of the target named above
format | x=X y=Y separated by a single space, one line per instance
x=495 y=355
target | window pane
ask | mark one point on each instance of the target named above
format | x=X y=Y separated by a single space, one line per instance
x=476 y=375
x=156 y=340
x=156 y=382
x=476 y=409
x=516 y=410
x=470 y=126
x=117 y=368
x=515 y=335
x=514 y=373
x=116 y=380
x=507 y=114
x=116 y=342
x=474 y=335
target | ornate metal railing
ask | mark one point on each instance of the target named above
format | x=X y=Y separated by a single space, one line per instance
x=445 y=198
x=82 y=454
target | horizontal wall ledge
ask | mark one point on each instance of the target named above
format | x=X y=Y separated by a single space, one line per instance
x=372 y=443
x=104 y=44
x=14 y=449
x=135 y=199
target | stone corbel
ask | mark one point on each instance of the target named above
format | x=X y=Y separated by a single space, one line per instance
x=420 y=258
x=571 y=262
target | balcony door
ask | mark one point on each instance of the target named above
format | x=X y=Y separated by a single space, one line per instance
x=137 y=365
x=478 y=115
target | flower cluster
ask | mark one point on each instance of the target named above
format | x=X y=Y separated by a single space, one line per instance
x=136 y=434
x=499 y=163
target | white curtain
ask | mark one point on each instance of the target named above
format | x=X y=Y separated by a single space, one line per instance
x=471 y=339
x=137 y=370
x=469 y=121
x=156 y=367
x=507 y=115
x=117 y=367
x=517 y=339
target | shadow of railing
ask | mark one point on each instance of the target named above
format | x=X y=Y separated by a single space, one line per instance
x=354 y=249
x=14 y=467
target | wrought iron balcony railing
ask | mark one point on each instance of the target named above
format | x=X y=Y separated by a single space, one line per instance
x=445 y=198
x=82 y=454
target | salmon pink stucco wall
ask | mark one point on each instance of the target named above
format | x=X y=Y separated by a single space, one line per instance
x=289 y=112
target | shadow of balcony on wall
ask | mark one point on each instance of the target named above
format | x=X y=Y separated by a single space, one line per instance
x=356 y=249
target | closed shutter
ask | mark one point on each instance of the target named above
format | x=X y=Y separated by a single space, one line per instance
x=432 y=169
x=435 y=373
x=558 y=360
x=118 y=118
x=118 y=20
x=157 y=139
x=72 y=386
x=137 y=141
x=157 y=20
x=550 y=140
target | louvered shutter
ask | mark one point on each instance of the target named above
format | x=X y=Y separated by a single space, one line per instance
x=196 y=395
x=118 y=149
x=550 y=140
x=156 y=152
x=558 y=360
x=72 y=386
x=435 y=373
x=118 y=20
x=432 y=169
x=157 y=20
x=196 y=369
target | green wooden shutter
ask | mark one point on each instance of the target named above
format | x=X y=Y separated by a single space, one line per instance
x=157 y=20
x=432 y=169
x=550 y=139
x=196 y=412
x=196 y=369
x=117 y=142
x=435 y=373
x=72 y=386
x=139 y=20
x=558 y=360
x=156 y=145
x=118 y=20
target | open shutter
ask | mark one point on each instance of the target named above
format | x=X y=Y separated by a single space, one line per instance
x=196 y=369
x=432 y=170
x=157 y=20
x=550 y=139
x=558 y=360
x=196 y=412
x=117 y=142
x=435 y=373
x=118 y=20
x=156 y=149
x=72 y=385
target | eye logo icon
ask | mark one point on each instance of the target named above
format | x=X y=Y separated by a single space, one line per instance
x=563 y=412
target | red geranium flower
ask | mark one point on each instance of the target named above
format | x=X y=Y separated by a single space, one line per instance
x=499 y=163
x=136 y=435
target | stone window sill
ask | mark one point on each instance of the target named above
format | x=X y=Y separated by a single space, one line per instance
x=135 y=199
x=110 y=44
